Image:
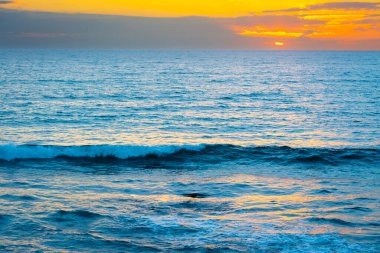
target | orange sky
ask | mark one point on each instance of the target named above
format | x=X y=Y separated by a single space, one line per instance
x=282 y=21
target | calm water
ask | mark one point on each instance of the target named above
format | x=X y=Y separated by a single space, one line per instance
x=171 y=151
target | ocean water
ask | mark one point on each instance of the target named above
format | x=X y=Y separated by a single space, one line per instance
x=189 y=151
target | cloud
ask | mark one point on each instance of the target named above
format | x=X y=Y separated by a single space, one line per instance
x=272 y=26
x=335 y=6
x=374 y=20
x=273 y=20
x=37 y=29
x=54 y=30
x=38 y=35
x=264 y=33
x=346 y=5
x=5 y=1
x=341 y=21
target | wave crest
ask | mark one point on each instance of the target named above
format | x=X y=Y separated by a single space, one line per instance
x=11 y=152
x=210 y=153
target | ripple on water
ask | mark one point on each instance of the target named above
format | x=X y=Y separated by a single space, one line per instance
x=5 y=218
x=324 y=191
x=358 y=209
x=11 y=197
x=334 y=221
x=75 y=215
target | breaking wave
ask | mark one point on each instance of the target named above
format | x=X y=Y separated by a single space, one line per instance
x=12 y=152
x=278 y=154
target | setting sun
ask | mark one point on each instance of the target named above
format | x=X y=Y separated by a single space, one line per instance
x=279 y=44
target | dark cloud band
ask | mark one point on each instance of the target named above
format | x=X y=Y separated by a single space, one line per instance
x=335 y=6
x=5 y=1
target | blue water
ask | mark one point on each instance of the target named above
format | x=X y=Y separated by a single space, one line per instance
x=199 y=151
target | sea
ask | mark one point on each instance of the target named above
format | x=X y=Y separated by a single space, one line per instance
x=189 y=151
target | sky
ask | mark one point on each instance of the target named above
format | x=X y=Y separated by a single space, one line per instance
x=191 y=24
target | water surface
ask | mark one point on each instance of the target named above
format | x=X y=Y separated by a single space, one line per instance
x=204 y=151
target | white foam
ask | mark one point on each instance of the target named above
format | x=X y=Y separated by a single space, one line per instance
x=11 y=152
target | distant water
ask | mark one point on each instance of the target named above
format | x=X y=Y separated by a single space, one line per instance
x=198 y=151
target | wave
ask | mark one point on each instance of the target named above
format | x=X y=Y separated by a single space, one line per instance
x=210 y=153
x=11 y=152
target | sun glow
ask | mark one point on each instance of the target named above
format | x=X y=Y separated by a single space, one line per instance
x=279 y=43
